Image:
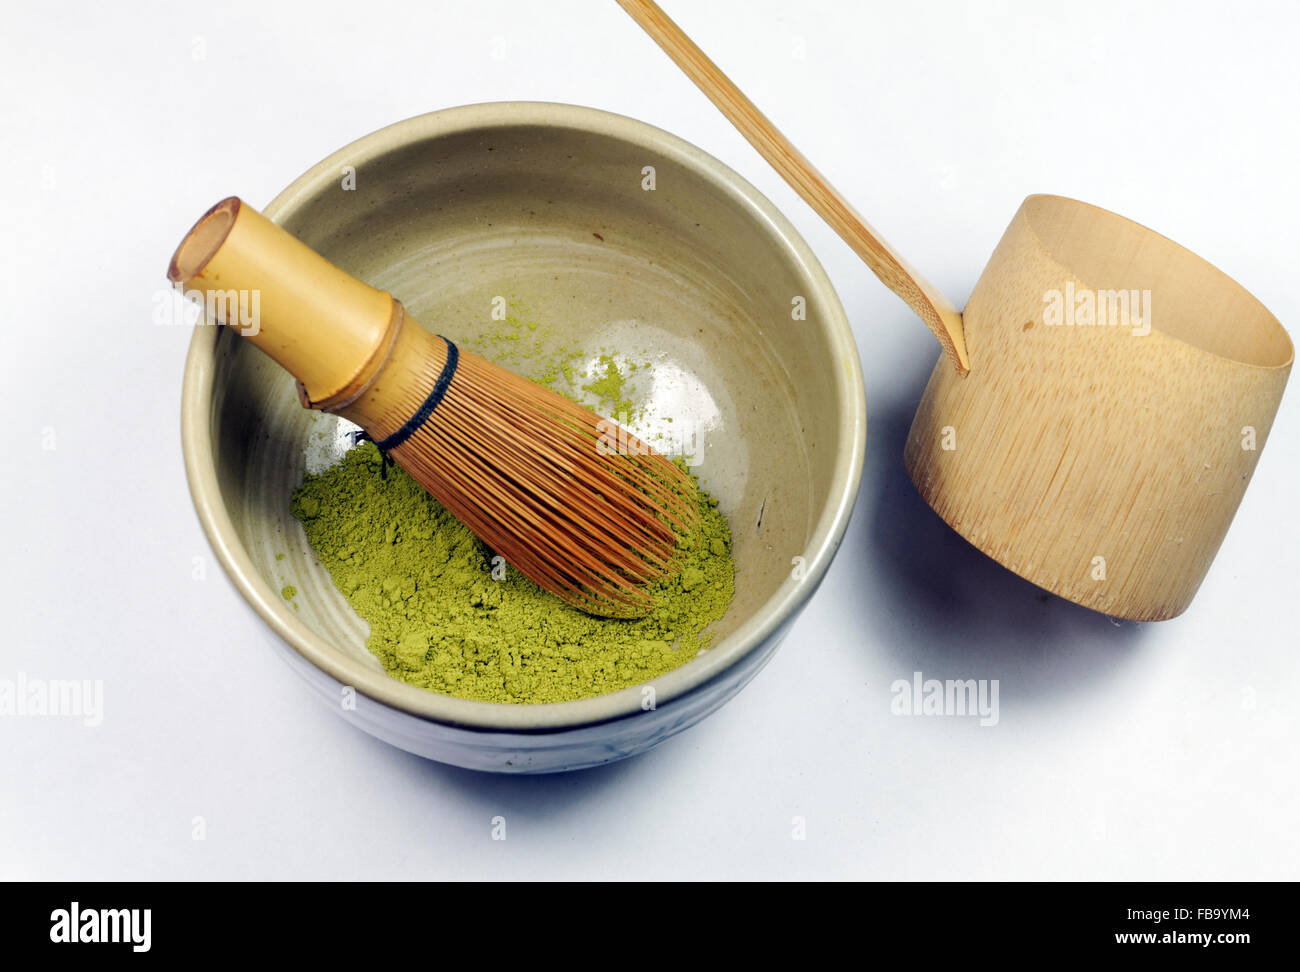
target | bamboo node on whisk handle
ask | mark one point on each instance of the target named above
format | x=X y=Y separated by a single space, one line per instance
x=328 y=329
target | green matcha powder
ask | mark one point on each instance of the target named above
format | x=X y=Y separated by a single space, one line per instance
x=447 y=616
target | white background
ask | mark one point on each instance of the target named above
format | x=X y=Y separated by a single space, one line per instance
x=1123 y=751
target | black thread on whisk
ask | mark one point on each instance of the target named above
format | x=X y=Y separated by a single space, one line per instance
x=430 y=403
x=360 y=436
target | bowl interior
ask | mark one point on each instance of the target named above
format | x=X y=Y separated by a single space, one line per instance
x=627 y=243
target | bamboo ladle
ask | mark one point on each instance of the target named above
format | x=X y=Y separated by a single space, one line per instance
x=1103 y=398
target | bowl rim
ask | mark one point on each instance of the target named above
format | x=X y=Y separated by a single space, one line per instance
x=783 y=604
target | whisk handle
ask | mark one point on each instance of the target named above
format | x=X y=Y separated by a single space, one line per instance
x=323 y=325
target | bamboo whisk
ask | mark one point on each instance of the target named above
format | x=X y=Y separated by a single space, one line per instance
x=580 y=507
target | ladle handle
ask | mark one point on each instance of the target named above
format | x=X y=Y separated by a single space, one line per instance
x=938 y=313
